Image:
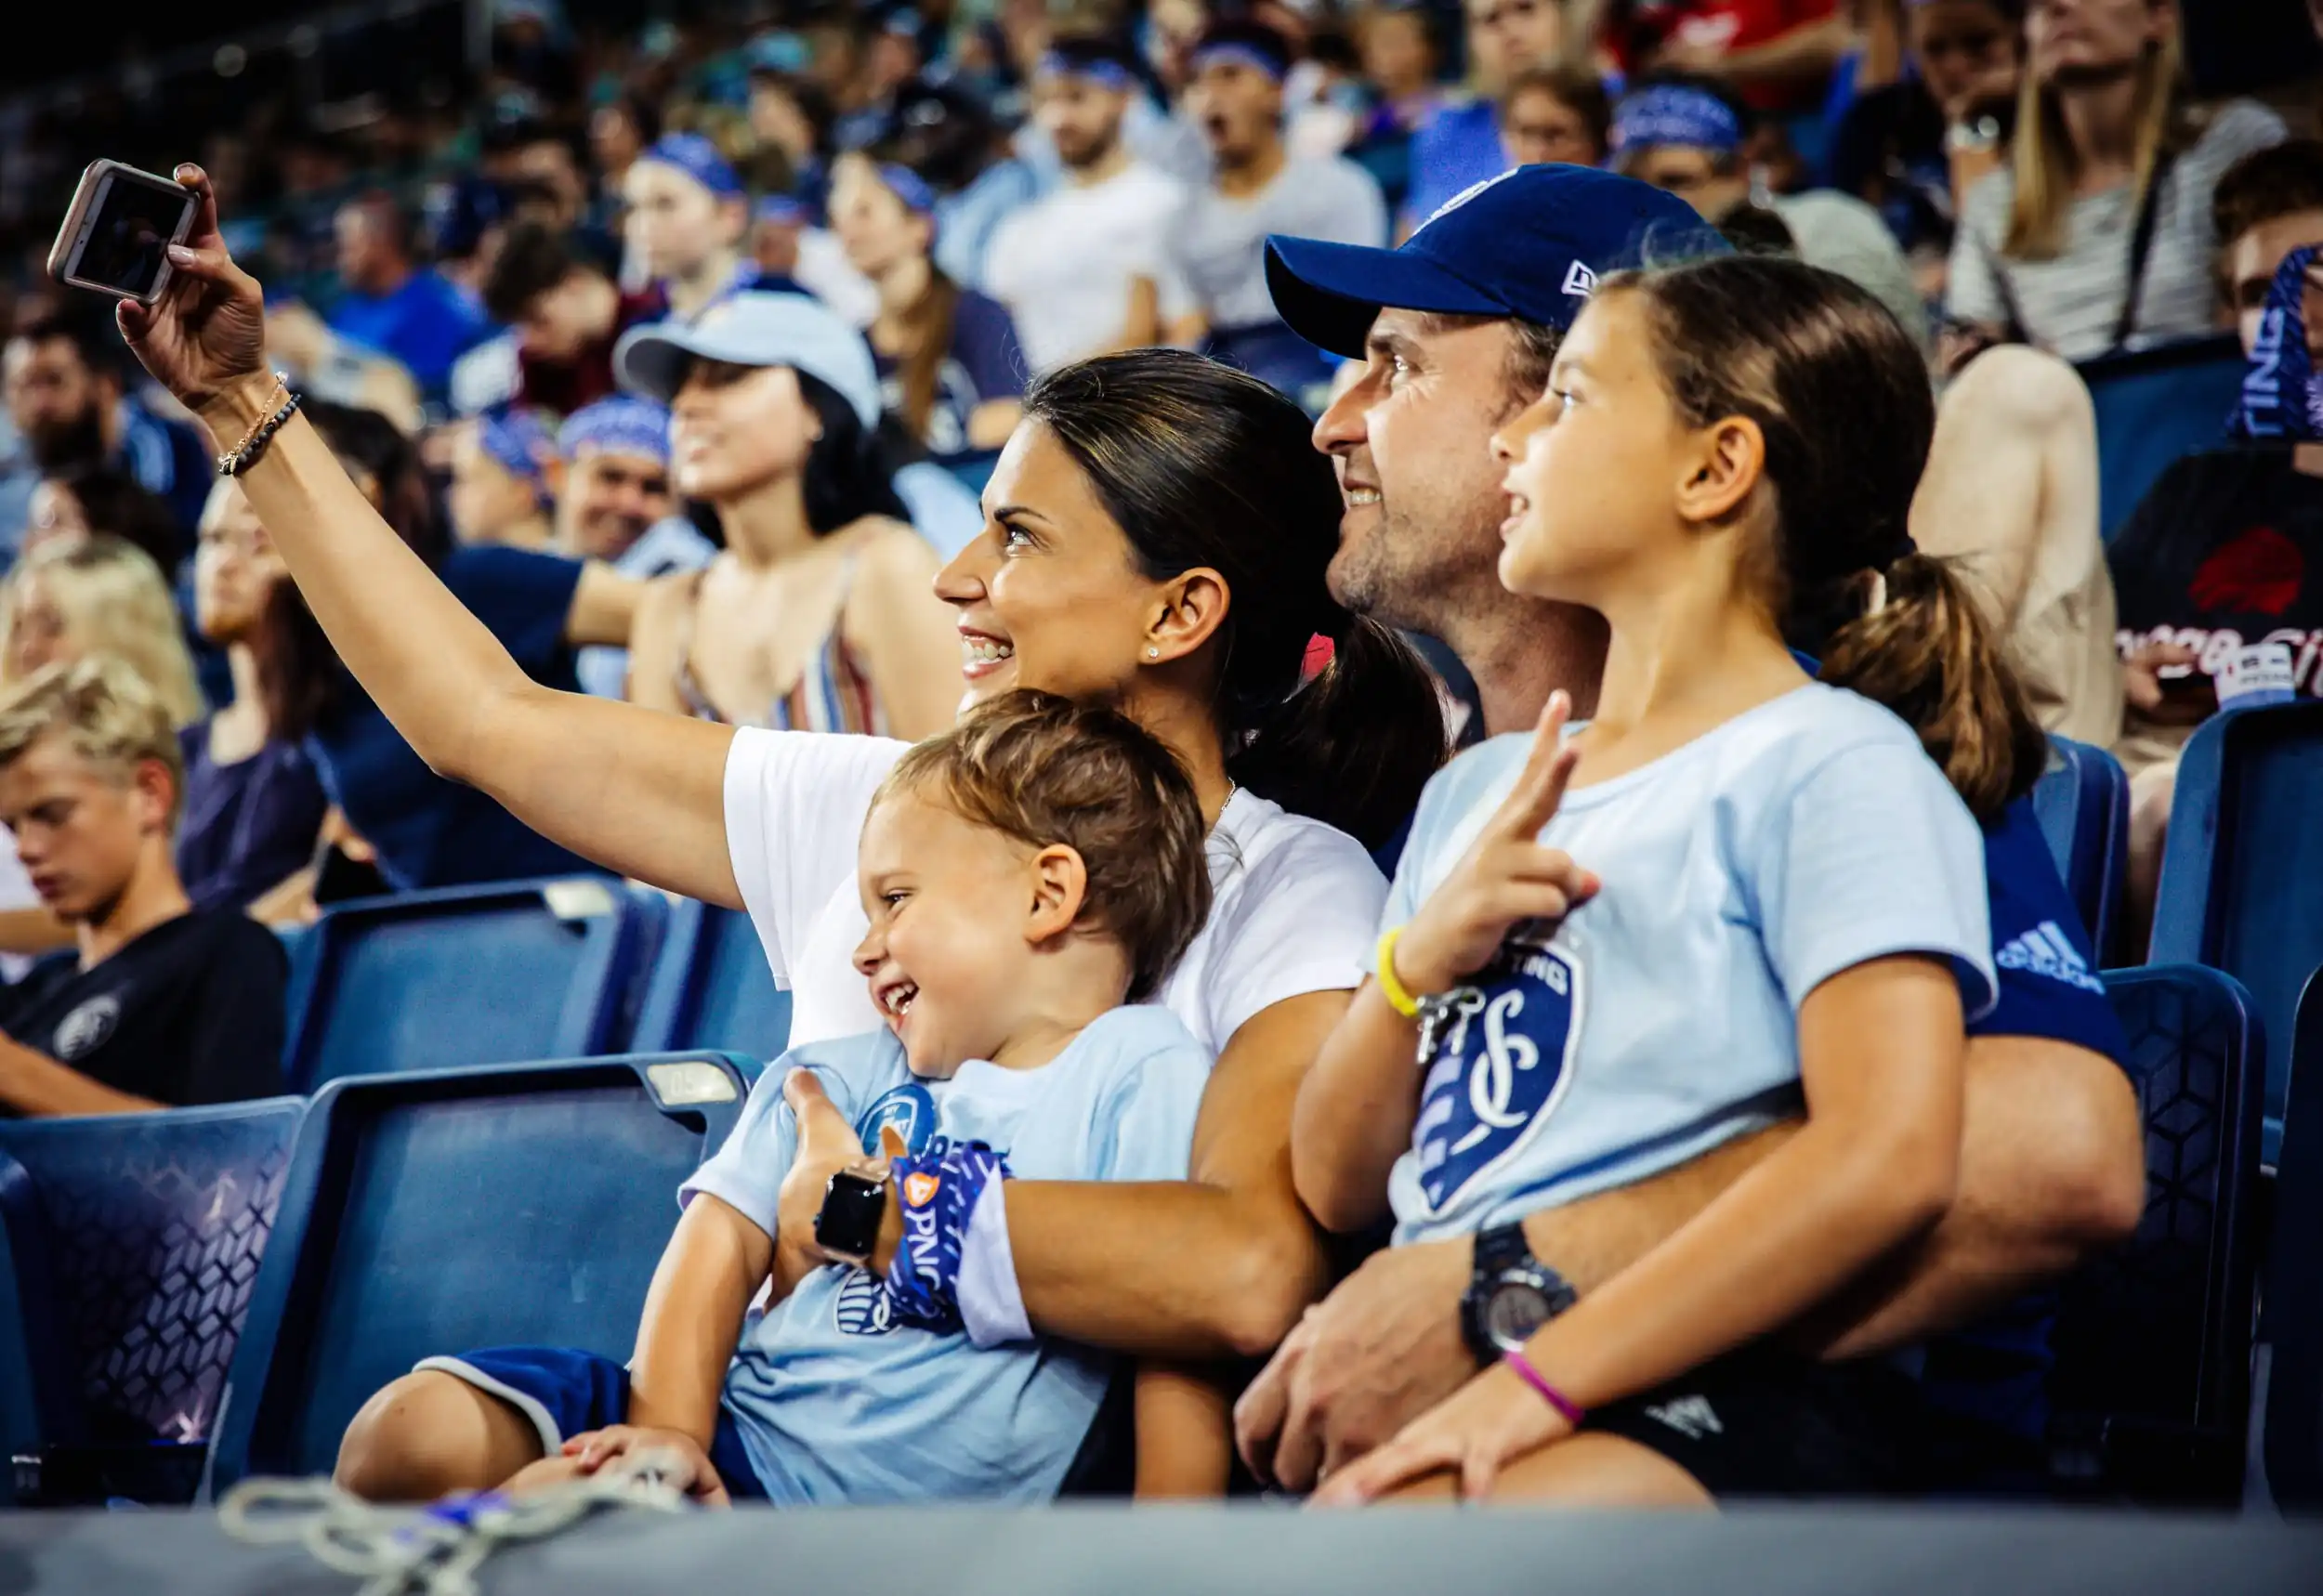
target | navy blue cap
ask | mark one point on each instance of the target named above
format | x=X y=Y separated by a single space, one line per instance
x=1529 y=243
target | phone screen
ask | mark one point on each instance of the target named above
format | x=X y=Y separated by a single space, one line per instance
x=133 y=221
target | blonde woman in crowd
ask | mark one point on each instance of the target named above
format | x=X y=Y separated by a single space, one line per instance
x=69 y=601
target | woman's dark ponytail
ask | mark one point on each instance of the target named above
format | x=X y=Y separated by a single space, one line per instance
x=1841 y=399
x=1203 y=465
x=1354 y=744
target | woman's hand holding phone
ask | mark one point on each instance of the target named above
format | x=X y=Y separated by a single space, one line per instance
x=206 y=333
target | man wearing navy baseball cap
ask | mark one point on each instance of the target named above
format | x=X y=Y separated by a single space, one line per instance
x=1456 y=329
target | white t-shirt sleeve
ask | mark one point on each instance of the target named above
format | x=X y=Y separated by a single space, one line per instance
x=794 y=808
x=1304 y=923
x=1873 y=854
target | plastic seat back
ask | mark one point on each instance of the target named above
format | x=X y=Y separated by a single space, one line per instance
x=2294 y=1281
x=2153 y=406
x=2242 y=873
x=452 y=1209
x=2084 y=801
x=135 y=1240
x=486 y=974
x=2150 y=1393
x=712 y=989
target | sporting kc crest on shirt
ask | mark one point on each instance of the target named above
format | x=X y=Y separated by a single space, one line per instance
x=1503 y=1056
x=909 y=1108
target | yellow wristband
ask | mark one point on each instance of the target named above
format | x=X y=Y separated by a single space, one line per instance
x=1403 y=1002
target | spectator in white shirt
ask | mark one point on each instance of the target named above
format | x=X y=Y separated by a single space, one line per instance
x=1236 y=98
x=1087 y=268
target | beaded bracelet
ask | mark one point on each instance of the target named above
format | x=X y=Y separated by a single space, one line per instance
x=247 y=453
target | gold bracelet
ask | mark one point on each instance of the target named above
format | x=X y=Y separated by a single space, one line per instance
x=280 y=390
x=1398 y=998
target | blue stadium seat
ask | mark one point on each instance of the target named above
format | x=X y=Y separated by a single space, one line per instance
x=480 y=975
x=134 y=1241
x=440 y=1212
x=2294 y=1281
x=2151 y=1391
x=2154 y=405
x=2242 y=874
x=2084 y=801
x=710 y=988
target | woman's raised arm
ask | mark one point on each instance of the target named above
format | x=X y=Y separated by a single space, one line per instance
x=638 y=792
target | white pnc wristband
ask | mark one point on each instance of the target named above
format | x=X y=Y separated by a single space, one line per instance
x=992 y=1305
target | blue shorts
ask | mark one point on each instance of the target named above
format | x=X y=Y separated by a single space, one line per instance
x=567 y=1393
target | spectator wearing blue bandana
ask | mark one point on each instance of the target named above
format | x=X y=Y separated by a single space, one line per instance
x=2223 y=559
x=686 y=216
x=615 y=503
x=1685 y=134
x=1256 y=188
x=949 y=363
x=500 y=491
x=614 y=478
x=1088 y=267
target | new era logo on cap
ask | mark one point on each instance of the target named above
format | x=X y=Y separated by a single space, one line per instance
x=1532 y=243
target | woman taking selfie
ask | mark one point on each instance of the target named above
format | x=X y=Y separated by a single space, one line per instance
x=1125 y=559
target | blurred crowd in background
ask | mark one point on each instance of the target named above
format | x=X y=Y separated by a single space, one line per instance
x=458 y=210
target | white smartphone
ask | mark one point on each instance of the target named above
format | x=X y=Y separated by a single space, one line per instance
x=114 y=236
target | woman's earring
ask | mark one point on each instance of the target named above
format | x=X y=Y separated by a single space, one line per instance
x=1153 y=652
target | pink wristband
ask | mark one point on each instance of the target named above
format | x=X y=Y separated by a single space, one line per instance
x=1532 y=1376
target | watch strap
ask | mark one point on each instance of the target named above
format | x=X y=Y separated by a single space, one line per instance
x=1500 y=1249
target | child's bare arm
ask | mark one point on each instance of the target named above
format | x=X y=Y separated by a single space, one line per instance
x=1185 y=1434
x=693 y=1318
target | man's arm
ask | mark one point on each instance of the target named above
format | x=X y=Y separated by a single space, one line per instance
x=2052 y=1169
x=34 y=1085
x=1218 y=1267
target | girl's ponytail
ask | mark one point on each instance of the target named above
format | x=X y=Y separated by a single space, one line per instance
x=1928 y=653
x=1840 y=396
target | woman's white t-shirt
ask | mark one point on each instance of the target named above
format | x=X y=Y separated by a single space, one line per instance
x=1294 y=903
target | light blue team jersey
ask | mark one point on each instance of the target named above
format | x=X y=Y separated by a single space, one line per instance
x=835 y=1405
x=1659 y=1019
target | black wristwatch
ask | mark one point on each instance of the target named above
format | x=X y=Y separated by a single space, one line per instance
x=1509 y=1295
x=853 y=1207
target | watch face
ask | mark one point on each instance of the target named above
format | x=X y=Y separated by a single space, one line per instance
x=852 y=1207
x=1517 y=1309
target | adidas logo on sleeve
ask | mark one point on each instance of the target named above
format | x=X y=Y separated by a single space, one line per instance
x=2046 y=950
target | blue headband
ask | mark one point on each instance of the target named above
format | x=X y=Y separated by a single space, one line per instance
x=1674 y=113
x=1240 y=54
x=699 y=159
x=1104 y=73
x=623 y=424
x=2282 y=395
x=517 y=440
x=908 y=186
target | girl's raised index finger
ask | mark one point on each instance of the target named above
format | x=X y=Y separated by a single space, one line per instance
x=1541 y=788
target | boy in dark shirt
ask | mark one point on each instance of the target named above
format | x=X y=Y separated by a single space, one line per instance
x=162 y=1004
x=2226 y=548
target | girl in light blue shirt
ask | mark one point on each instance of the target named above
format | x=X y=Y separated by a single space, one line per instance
x=1732 y=895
